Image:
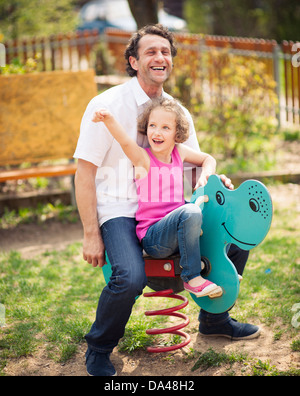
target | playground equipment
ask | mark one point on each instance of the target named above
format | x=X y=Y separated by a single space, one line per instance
x=242 y=217
x=169 y=312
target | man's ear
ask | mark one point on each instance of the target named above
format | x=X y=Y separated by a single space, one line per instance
x=133 y=62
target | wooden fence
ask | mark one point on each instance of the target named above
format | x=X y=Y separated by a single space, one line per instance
x=278 y=59
x=71 y=51
x=76 y=51
x=291 y=61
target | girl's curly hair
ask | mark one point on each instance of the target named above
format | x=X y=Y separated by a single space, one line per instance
x=133 y=45
x=182 y=124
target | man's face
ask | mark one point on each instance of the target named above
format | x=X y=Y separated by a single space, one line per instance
x=155 y=61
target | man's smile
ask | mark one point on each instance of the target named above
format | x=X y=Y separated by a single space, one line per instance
x=158 y=68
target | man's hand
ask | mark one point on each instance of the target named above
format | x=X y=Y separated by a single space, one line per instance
x=202 y=181
x=93 y=250
x=227 y=182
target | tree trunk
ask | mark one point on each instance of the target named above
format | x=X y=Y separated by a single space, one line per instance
x=144 y=11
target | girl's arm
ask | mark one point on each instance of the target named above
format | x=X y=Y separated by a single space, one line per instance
x=133 y=151
x=206 y=161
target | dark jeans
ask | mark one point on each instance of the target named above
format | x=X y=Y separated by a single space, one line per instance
x=239 y=258
x=127 y=281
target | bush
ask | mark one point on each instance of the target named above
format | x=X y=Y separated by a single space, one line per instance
x=17 y=67
x=233 y=102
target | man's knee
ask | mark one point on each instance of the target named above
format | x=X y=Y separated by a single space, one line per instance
x=138 y=282
x=127 y=282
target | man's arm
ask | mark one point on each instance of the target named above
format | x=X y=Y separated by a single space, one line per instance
x=85 y=189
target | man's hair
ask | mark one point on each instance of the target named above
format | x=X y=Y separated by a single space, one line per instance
x=133 y=45
x=182 y=124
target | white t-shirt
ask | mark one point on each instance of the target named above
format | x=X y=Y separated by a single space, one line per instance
x=115 y=187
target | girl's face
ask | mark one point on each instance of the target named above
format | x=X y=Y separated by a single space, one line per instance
x=161 y=130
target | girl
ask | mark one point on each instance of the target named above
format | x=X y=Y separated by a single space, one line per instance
x=166 y=225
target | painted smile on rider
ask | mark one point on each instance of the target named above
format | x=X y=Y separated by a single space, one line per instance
x=244 y=243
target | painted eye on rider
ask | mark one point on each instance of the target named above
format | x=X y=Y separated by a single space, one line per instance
x=254 y=205
x=220 y=198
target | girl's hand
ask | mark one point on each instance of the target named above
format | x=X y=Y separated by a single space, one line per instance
x=101 y=115
x=202 y=181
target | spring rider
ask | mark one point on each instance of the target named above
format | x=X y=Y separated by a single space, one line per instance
x=242 y=217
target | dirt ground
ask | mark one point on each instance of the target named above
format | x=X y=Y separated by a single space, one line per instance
x=174 y=364
x=32 y=239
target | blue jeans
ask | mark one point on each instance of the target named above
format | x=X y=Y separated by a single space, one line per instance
x=179 y=231
x=127 y=281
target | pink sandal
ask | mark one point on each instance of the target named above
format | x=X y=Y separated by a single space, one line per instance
x=205 y=289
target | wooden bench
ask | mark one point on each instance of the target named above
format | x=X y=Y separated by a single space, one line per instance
x=40 y=115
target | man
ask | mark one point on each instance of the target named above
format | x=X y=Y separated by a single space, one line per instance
x=107 y=201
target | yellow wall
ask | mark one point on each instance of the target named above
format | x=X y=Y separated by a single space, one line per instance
x=40 y=114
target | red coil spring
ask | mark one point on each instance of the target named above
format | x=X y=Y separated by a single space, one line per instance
x=169 y=312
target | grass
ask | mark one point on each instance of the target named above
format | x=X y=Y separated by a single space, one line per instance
x=271 y=284
x=39 y=215
x=50 y=302
x=258 y=368
x=214 y=359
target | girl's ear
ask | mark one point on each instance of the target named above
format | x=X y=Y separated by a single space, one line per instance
x=133 y=62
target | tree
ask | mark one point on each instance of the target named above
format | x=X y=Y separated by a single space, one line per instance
x=19 y=18
x=272 y=19
x=144 y=11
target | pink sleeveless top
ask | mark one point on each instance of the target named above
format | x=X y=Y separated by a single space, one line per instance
x=160 y=192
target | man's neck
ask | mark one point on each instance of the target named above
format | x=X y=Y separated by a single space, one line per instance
x=153 y=91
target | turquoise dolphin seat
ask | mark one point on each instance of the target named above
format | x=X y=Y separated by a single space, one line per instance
x=242 y=217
